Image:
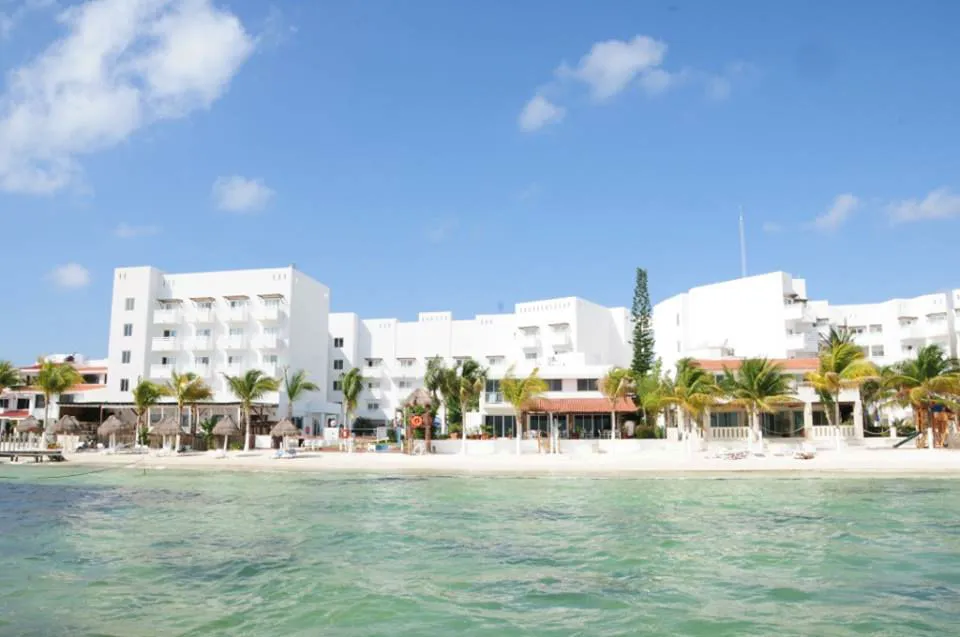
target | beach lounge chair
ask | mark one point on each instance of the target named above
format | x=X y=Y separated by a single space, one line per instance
x=806 y=452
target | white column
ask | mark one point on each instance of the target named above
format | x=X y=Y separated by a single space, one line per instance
x=858 y=419
x=808 y=420
x=707 y=430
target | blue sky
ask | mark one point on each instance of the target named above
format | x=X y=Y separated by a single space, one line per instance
x=466 y=156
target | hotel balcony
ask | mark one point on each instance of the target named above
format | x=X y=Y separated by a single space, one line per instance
x=530 y=341
x=200 y=369
x=915 y=332
x=802 y=342
x=235 y=315
x=798 y=312
x=493 y=397
x=372 y=372
x=162 y=372
x=268 y=314
x=270 y=369
x=269 y=341
x=936 y=329
x=201 y=343
x=235 y=369
x=233 y=342
x=172 y=316
x=166 y=344
x=561 y=340
x=416 y=370
x=204 y=316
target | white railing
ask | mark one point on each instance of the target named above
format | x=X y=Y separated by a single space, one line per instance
x=270 y=369
x=201 y=342
x=167 y=317
x=493 y=397
x=268 y=341
x=798 y=312
x=235 y=314
x=235 y=369
x=829 y=431
x=530 y=341
x=913 y=331
x=166 y=344
x=161 y=371
x=233 y=342
x=560 y=339
x=204 y=316
x=199 y=369
x=268 y=313
x=729 y=433
x=803 y=342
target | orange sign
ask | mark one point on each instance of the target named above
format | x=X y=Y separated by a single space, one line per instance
x=416 y=421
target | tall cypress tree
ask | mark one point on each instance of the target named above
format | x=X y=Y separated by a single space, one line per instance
x=642 y=313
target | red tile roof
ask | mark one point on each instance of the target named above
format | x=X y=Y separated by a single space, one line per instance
x=14 y=415
x=36 y=390
x=788 y=364
x=579 y=405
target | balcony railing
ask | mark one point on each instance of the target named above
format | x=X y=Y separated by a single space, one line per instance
x=235 y=369
x=200 y=369
x=201 y=343
x=162 y=371
x=204 y=316
x=167 y=317
x=530 y=341
x=493 y=397
x=372 y=372
x=914 y=332
x=802 y=342
x=166 y=344
x=561 y=340
x=268 y=341
x=270 y=369
x=268 y=313
x=233 y=342
x=235 y=315
x=798 y=312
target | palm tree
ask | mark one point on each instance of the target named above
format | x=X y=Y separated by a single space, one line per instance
x=692 y=390
x=519 y=392
x=186 y=389
x=616 y=384
x=352 y=385
x=145 y=395
x=650 y=392
x=469 y=384
x=249 y=389
x=438 y=380
x=842 y=366
x=931 y=379
x=53 y=379
x=295 y=387
x=9 y=377
x=876 y=392
x=758 y=386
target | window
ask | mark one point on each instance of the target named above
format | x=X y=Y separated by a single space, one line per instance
x=234 y=360
x=338 y=364
x=204 y=333
x=168 y=360
x=128 y=304
x=373 y=406
x=204 y=306
x=270 y=359
x=586 y=384
x=495 y=360
x=678 y=318
x=128 y=329
x=23 y=403
x=373 y=384
x=337 y=342
x=725 y=419
x=272 y=303
x=338 y=385
x=169 y=333
x=407 y=362
x=203 y=361
x=554 y=384
x=876 y=350
x=373 y=362
x=236 y=331
x=678 y=346
x=4 y=403
x=876 y=329
x=238 y=303
x=125 y=356
x=39 y=402
x=271 y=331
x=530 y=356
x=124 y=384
x=405 y=384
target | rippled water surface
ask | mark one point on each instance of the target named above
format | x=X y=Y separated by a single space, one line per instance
x=126 y=553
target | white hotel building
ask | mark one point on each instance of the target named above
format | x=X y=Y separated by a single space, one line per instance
x=218 y=323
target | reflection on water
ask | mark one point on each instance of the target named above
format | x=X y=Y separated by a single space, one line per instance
x=160 y=553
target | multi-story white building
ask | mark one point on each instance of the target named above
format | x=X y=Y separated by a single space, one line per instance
x=216 y=324
x=572 y=342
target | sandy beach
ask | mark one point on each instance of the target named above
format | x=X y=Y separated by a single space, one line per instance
x=879 y=461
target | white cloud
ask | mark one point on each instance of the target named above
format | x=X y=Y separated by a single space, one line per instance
x=938 y=204
x=10 y=19
x=126 y=231
x=772 y=227
x=70 y=275
x=840 y=210
x=611 y=65
x=239 y=194
x=539 y=112
x=122 y=65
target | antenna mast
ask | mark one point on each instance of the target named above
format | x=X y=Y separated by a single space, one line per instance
x=743 y=248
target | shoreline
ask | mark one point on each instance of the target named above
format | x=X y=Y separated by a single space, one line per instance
x=885 y=462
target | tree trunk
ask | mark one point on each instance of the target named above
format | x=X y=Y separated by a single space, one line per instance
x=246 y=434
x=836 y=415
x=46 y=411
x=613 y=423
x=427 y=431
x=518 y=426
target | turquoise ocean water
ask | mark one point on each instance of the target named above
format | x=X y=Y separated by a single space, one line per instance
x=127 y=553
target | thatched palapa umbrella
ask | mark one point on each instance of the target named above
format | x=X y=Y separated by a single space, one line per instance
x=420 y=397
x=111 y=427
x=166 y=427
x=66 y=425
x=29 y=425
x=226 y=427
x=284 y=429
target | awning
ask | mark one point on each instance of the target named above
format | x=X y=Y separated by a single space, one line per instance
x=202 y=299
x=14 y=415
x=270 y=296
x=580 y=405
x=236 y=297
x=169 y=301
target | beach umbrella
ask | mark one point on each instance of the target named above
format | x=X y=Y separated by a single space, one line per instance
x=111 y=427
x=66 y=425
x=29 y=425
x=226 y=427
x=169 y=426
x=284 y=428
